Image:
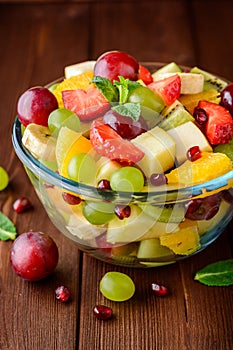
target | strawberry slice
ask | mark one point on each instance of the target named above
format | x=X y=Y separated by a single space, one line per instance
x=168 y=88
x=108 y=143
x=144 y=75
x=219 y=125
x=88 y=105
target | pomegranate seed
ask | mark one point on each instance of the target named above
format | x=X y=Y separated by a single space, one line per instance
x=200 y=116
x=158 y=179
x=194 y=153
x=102 y=312
x=104 y=185
x=22 y=204
x=71 y=198
x=159 y=290
x=63 y=294
x=122 y=211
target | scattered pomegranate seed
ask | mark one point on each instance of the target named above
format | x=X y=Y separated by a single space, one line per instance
x=158 y=179
x=122 y=211
x=71 y=198
x=104 y=185
x=22 y=204
x=102 y=312
x=63 y=294
x=194 y=153
x=200 y=116
x=159 y=290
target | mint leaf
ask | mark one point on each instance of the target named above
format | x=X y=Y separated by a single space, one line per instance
x=7 y=228
x=132 y=110
x=125 y=87
x=216 y=274
x=105 y=86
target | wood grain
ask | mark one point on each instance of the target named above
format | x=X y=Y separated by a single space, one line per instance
x=37 y=40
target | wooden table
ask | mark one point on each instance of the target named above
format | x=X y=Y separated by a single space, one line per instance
x=37 y=39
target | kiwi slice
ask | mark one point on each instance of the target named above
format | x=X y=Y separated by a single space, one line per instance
x=168 y=68
x=210 y=80
x=165 y=213
x=175 y=115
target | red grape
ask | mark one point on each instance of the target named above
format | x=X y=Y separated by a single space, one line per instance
x=126 y=127
x=34 y=255
x=35 y=105
x=203 y=208
x=227 y=98
x=112 y=64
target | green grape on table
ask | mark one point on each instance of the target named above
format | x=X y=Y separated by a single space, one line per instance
x=98 y=213
x=4 y=179
x=63 y=117
x=117 y=286
x=82 y=168
x=127 y=179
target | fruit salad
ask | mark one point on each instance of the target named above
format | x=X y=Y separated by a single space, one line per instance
x=141 y=140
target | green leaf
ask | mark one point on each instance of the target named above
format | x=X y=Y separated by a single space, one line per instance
x=7 y=228
x=216 y=274
x=132 y=110
x=125 y=87
x=105 y=86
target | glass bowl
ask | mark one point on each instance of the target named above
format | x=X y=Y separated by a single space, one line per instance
x=158 y=231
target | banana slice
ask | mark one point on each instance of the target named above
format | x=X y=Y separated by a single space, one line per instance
x=78 y=68
x=39 y=141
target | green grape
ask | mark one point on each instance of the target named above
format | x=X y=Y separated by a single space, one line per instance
x=127 y=179
x=62 y=117
x=53 y=87
x=4 y=179
x=117 y=286
x=98 y=213
x=82 y=168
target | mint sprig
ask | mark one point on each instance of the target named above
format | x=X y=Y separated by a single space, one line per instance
x=118 y=92
x=216 y=274
x=7 y=228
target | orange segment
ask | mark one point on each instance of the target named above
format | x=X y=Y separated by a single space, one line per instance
x=81 y=81
x=190 y=101
x=208 y=167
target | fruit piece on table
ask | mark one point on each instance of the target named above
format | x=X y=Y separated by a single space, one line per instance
x=81 y=81
x=79 y=68
x=167 y=88
x=219 y=125
x=34 y=255
x=174 y=115
x=159 y=149
x=210 y=80
x=39 y=141
x=108 y=143
x=35 y=105
x=190 y=101
x=113 y=64
x=184 y=242
x=117 y=286
x=186 y=136
x=4 y=178
x=208 y=167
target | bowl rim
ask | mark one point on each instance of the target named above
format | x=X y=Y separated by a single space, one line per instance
x=158 y=195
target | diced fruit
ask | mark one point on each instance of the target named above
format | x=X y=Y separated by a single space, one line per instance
x=87 y=105
x=62 y=117
x=227 y=98
x=108 y=143
x=184 y=242
x=226 y=148
x=145 y=75
x=190 y=101
x=82 y=168
x=34 y=255
x=168 y=88
x=79 y=68
x=98 y=213
x=127 y=179
x=219 y=126
x=113 y=64
x=39 y=141
x=159 y=150
x=165 y=213
x=174 y=115
x=190 y=83
x=208 y=167
x=168 y=68
x=203 y=208
x=35 y=105
x=186 y=136
x=105 y=167
x=81 y=81
x=210 y=80
x=152 y=249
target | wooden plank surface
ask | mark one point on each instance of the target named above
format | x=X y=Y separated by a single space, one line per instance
x=37 y=41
